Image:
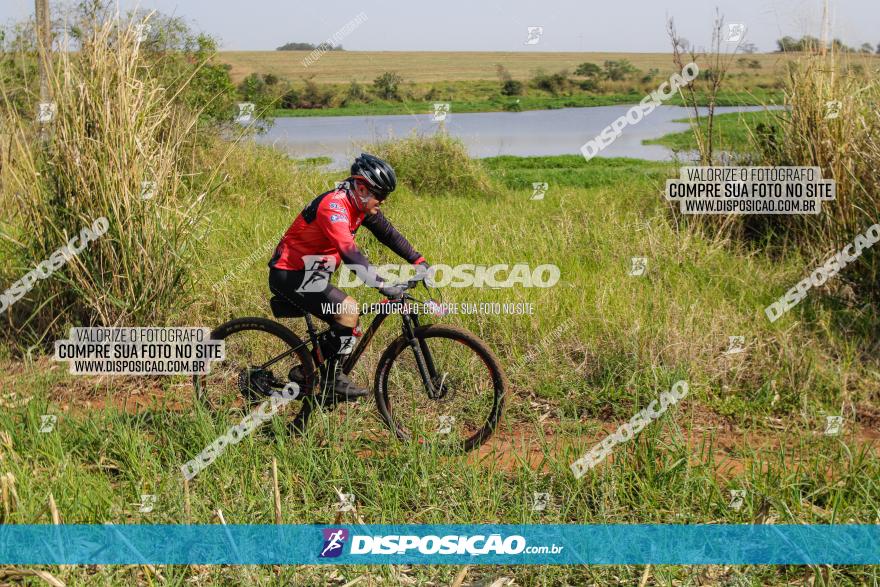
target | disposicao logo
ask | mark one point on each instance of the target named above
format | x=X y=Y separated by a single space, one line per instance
x=409 y=545
x=334 y=541
x=472 y=545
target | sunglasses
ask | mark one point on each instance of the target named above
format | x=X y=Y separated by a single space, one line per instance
x=380 y=197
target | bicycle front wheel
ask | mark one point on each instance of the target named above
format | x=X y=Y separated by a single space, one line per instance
x=459 y=406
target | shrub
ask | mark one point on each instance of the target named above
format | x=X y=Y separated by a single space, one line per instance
x=253 y=89
x=619 y=70
x=806 y=43
x=410 y=93
x=296 y=47
x=511 y=87
x=183 y=61
x=386 y=85
x=313 y=96
x=750 y=63
x=589 y=85
x=434 y=164
x=588 y=70
x=555 y=83
x=432 y=94
x=355 y=92
x=289 y=99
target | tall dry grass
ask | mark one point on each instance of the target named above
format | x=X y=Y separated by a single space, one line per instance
x=116 y=128
x=846 y=146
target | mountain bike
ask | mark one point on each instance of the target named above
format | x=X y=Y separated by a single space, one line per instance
x=434 y=384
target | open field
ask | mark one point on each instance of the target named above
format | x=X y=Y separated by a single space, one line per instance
x=751 y=421
x=425 y=66
x=470 y=81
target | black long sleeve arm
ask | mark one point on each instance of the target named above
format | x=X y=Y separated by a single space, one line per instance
x=389 y=236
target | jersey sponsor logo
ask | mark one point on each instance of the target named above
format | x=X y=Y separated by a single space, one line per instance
x=338 y=218
x=335 y=206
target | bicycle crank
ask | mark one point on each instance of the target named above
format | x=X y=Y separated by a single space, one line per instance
x=256 y=384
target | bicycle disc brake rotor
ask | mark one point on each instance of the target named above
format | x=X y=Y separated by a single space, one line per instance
x=255 y=384
x=444 y=387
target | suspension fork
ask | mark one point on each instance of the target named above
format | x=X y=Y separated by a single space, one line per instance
x=424 y=359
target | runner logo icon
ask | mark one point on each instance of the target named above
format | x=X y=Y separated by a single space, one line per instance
x=334 y=541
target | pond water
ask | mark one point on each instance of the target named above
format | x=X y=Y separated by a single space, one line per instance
x=485 y=134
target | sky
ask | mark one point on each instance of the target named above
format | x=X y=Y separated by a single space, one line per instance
x=502 y=25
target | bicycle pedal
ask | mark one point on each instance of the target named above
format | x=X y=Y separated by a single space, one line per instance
x=330 y=397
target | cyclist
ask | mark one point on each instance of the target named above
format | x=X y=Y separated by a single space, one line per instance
x=310 y=250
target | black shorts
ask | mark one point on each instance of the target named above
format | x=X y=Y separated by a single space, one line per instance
x=317 y=292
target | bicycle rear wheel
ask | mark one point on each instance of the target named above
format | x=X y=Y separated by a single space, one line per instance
x=260 y=356
x=464 y=402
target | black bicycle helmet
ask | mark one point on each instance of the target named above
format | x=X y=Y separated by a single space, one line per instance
x=378 y=174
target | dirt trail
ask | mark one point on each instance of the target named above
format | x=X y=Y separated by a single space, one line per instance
x=506 y=451
x=536 y=442
x=522 y=442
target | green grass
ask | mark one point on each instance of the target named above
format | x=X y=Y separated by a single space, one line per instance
x=97 y=466
x=314 y=161
x=519 y=173
x=626 y=339
x=516 y=103
x=731 y=131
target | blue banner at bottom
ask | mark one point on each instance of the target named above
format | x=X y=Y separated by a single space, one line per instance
x=441 y=544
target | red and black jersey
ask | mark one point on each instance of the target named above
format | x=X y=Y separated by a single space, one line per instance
x=326 y=227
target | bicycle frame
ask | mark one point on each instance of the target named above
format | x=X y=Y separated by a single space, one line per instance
x=424 y=360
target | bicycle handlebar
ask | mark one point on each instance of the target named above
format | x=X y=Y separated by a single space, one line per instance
x=415 y=281
x=411 y=283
